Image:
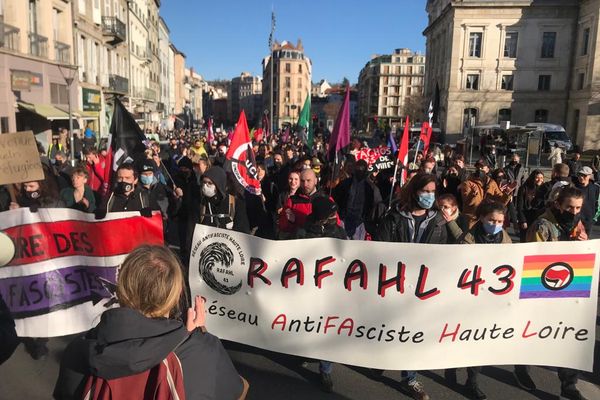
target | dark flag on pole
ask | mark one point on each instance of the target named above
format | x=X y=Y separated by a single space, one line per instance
x=340 y=137
x=125 y=142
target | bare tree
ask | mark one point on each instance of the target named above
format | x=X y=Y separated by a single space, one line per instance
x=415 y=107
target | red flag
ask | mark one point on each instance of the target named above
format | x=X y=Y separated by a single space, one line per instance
x=258 y=135
x=266 y=125
x=403 y=152
x=425 y=136
x=240 y=157
x=210 y=135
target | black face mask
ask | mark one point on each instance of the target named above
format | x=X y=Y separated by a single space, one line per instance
x=480 y=174
x=58 y=163
x=33 y=195
x=123 y=187
x=566 y=220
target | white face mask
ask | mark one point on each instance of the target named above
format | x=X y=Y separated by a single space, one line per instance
x=209 y=190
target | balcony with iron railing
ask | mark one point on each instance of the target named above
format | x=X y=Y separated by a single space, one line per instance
x=9 y=36
x=114 y=29
x=118 y=84
x=62 y=52
x=38 y=45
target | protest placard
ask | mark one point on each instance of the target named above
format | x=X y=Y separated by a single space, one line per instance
x=401 y=306
x=19 y=158
x=63 y=273
x=380 y=157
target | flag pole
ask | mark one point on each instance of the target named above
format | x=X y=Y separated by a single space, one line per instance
x=272 y=62
x=393 y=184
x=417 y=150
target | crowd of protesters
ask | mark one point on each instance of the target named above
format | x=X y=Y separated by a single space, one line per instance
x=304 y=195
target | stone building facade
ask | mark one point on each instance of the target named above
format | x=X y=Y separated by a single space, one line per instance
x=520 y=61
x=292 y=71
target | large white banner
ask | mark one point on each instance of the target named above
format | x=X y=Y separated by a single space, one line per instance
x=401 y=306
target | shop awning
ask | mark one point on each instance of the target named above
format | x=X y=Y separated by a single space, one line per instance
x=47 y=111
x=85 y=115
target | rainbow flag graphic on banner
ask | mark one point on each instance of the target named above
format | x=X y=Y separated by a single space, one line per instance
x=557 y=276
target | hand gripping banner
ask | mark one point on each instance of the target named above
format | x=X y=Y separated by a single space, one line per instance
x=401 y=306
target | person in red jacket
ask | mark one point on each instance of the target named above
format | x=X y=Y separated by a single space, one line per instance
x=298 y=207
x=95 y=164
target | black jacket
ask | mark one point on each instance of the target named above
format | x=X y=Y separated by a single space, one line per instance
x=126 y=343
x=8 y=335
x=530 y=207
x=136 y=201
x=313 y=229
x=218 y=210
x=398 y=226
x=590 y=202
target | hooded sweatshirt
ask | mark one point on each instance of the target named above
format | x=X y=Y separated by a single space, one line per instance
x=126 y=343
x=217 y=210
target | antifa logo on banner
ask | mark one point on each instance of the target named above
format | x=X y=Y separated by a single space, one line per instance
x=244 y=168
x=215 y=266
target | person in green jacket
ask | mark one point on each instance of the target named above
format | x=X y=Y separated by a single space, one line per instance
x=80 y=196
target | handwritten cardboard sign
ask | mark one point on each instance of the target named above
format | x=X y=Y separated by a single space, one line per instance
x=19 y=158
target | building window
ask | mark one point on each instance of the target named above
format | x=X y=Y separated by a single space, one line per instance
x=470 y=116
x=585 y=42
x=541 y=116
x=475 y=39
x=58 y=93
x=504 y=114
x=507 y=82
x=288 y=68
x=473 y=81
x=3 y=124
x=580 y=81
x=510 y=44
x=288 y=82
x=544 y=82
x=300 y=68
x=548 y=44
x=299 y=83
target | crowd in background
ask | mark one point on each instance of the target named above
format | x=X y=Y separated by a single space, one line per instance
x=435 y=199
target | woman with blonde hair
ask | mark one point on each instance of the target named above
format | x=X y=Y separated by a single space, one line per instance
x=145 y=330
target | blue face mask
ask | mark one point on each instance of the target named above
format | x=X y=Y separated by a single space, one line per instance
x=491 y=229
x=146 y=180
x=426 y=200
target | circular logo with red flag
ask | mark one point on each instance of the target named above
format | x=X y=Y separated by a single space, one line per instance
x=243 y=166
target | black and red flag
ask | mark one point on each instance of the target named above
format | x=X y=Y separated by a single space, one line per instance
x=125 y=142
x=240 y=157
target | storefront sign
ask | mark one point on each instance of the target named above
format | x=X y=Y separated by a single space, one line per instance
x=91 y=99
x=23 y=80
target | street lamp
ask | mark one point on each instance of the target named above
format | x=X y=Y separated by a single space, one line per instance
x=69 y=72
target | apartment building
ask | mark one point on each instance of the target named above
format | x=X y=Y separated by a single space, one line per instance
x=292 y=71
x=385 y=84
x=245 y=92
x=165 y=62
x=36 y=73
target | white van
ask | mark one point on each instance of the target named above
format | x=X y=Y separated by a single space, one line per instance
x=553 y=134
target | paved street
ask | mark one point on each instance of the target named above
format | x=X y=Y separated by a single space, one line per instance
x=279 y=376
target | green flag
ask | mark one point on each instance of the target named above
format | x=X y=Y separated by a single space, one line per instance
x=305 y=123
